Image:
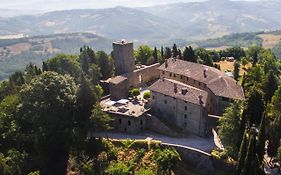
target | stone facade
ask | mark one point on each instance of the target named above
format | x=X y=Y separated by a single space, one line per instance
x=123 y=55
x=191 y=118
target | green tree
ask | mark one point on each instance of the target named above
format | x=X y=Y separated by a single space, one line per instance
x=261 y=139
x=242 y=154
x=274 y=137
x=229 y=128
x=254 y=106
x=167 y=53
x=275 y=106
x=134 y=92
x=65 y=64
x=269 y=86
x=146 y=95
x=143 y=54
x=189 y=55
x=175 y=50
x=155 y=54
x=106 y=64
x=166 y=159
x=236 y=70
x=47 y=119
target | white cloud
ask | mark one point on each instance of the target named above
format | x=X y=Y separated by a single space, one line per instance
x=75 y=4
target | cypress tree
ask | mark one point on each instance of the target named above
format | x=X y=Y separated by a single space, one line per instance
x=270 y=84
x=162 y=52
x=154 y=54
x=261 y=139
x=236 y=70
x=242 y=154
x=175 y=50
x=250 y=156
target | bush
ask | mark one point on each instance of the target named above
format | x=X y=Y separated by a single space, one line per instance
x=134 y=92
x=166 y=158
x=146 y=95
x=145 y=171
x=118 y=168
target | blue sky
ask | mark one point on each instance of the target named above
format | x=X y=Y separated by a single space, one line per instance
x=47 y=5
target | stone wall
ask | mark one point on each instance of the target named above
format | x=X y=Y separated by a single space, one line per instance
x=143 y=75
x=128 y=124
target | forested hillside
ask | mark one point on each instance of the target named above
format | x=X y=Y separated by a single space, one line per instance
x=16 y=53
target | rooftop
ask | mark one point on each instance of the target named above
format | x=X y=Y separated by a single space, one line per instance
x=179 y=90
x=122 y=42
x=216 y=80
x=130 y=107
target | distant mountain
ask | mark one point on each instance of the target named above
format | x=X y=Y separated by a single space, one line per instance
x=155 y=25
x=215 y=18
x=114 y=23
x=16 y=53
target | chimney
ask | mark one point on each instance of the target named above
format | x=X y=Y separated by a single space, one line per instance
x=166 y=63
x=175 y=88
x=200 y=99
x=205 y=73
x=183 y=91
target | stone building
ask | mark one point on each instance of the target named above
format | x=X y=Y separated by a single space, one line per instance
x=187 y=92
x=128 y=74
x=123 y=56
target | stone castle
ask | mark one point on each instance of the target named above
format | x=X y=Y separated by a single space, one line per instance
x=187 y=95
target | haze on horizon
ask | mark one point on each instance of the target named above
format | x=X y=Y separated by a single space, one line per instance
x=52 y=5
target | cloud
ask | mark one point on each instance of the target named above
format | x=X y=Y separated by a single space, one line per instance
x=48 y=5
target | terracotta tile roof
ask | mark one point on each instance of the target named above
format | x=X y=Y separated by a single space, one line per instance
x=118 y=79
x=216 y=80
x=167 y=87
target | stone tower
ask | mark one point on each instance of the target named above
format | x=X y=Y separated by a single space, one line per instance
x=123 y=55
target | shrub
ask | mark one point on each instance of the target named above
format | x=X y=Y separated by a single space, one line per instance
x=166 y=158
x=145 y=171
x=134 y=92
x=117 y=168
x=146 y=95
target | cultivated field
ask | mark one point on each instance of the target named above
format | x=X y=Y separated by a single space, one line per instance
x=270 y=40
x=229 y=66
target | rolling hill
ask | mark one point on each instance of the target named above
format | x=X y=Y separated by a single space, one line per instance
x=16 y=53
x=157 y=24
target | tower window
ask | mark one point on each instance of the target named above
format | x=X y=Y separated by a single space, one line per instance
x=170 y=74
x=129 y=123
x=185 y=116
x=120 y=120
x=185 y=108
x=165 y=101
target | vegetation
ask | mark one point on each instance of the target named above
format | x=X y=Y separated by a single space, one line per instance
x=45 y=116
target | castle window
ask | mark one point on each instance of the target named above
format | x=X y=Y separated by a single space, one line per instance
x=181 y=76
x=199 y=83
x=174 y=75
x=165 y=101
x=141 y=122
x=120 y=120
x=163 y=72
x=170 y=74
x=129 y=123
x=194 y=81
x=205 y=85
x=186 y=78
x=185 y=116
x=185 y=108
